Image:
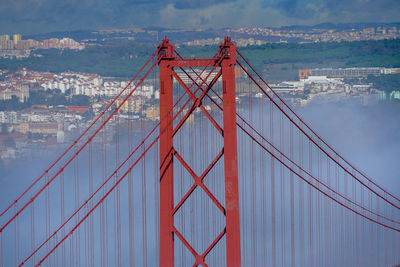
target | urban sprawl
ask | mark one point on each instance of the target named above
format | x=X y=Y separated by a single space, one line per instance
x=55 y=123
x=16 y=46
x=51 y=108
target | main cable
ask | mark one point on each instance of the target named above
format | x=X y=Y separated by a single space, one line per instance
x=78 y=151
x=313 y=141
x=77 y=140
x=315 y=187
x=312 y=131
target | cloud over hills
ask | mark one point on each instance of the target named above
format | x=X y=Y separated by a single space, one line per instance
x=32 y=16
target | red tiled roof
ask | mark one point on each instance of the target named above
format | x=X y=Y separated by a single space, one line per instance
x=78 y=109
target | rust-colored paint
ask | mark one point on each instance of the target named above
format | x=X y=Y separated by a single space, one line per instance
x=233 y=254
x=166 y=159
x=227 y=61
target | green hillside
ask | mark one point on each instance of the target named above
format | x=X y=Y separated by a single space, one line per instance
x=275 y=61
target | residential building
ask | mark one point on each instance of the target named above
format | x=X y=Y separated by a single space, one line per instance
x=16 y=38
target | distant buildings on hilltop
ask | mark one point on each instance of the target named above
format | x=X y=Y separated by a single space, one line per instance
x=346 y=72
x=17 y=47
x=260 y=35
x=92 y=85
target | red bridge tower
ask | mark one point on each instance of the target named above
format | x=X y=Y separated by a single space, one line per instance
x=225 y=61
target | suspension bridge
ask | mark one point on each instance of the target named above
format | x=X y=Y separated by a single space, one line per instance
x=212 y=181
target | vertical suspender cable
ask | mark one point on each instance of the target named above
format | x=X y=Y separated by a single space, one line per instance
x=283 y=207
x=292 y=219
x=273 y=213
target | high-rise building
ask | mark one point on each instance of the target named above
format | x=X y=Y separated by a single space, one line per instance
x=16 y=38
x=3 y=41
x=8 y=44
x=4 y=37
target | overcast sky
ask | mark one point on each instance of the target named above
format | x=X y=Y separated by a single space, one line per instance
x=32 y=16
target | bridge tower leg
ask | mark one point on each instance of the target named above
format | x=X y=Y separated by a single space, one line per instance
x=228 y=51
x=166 y=158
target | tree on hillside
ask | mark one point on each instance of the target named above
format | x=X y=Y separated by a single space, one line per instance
x=80 y=100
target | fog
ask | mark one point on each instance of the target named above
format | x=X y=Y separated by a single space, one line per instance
x=367 y=136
